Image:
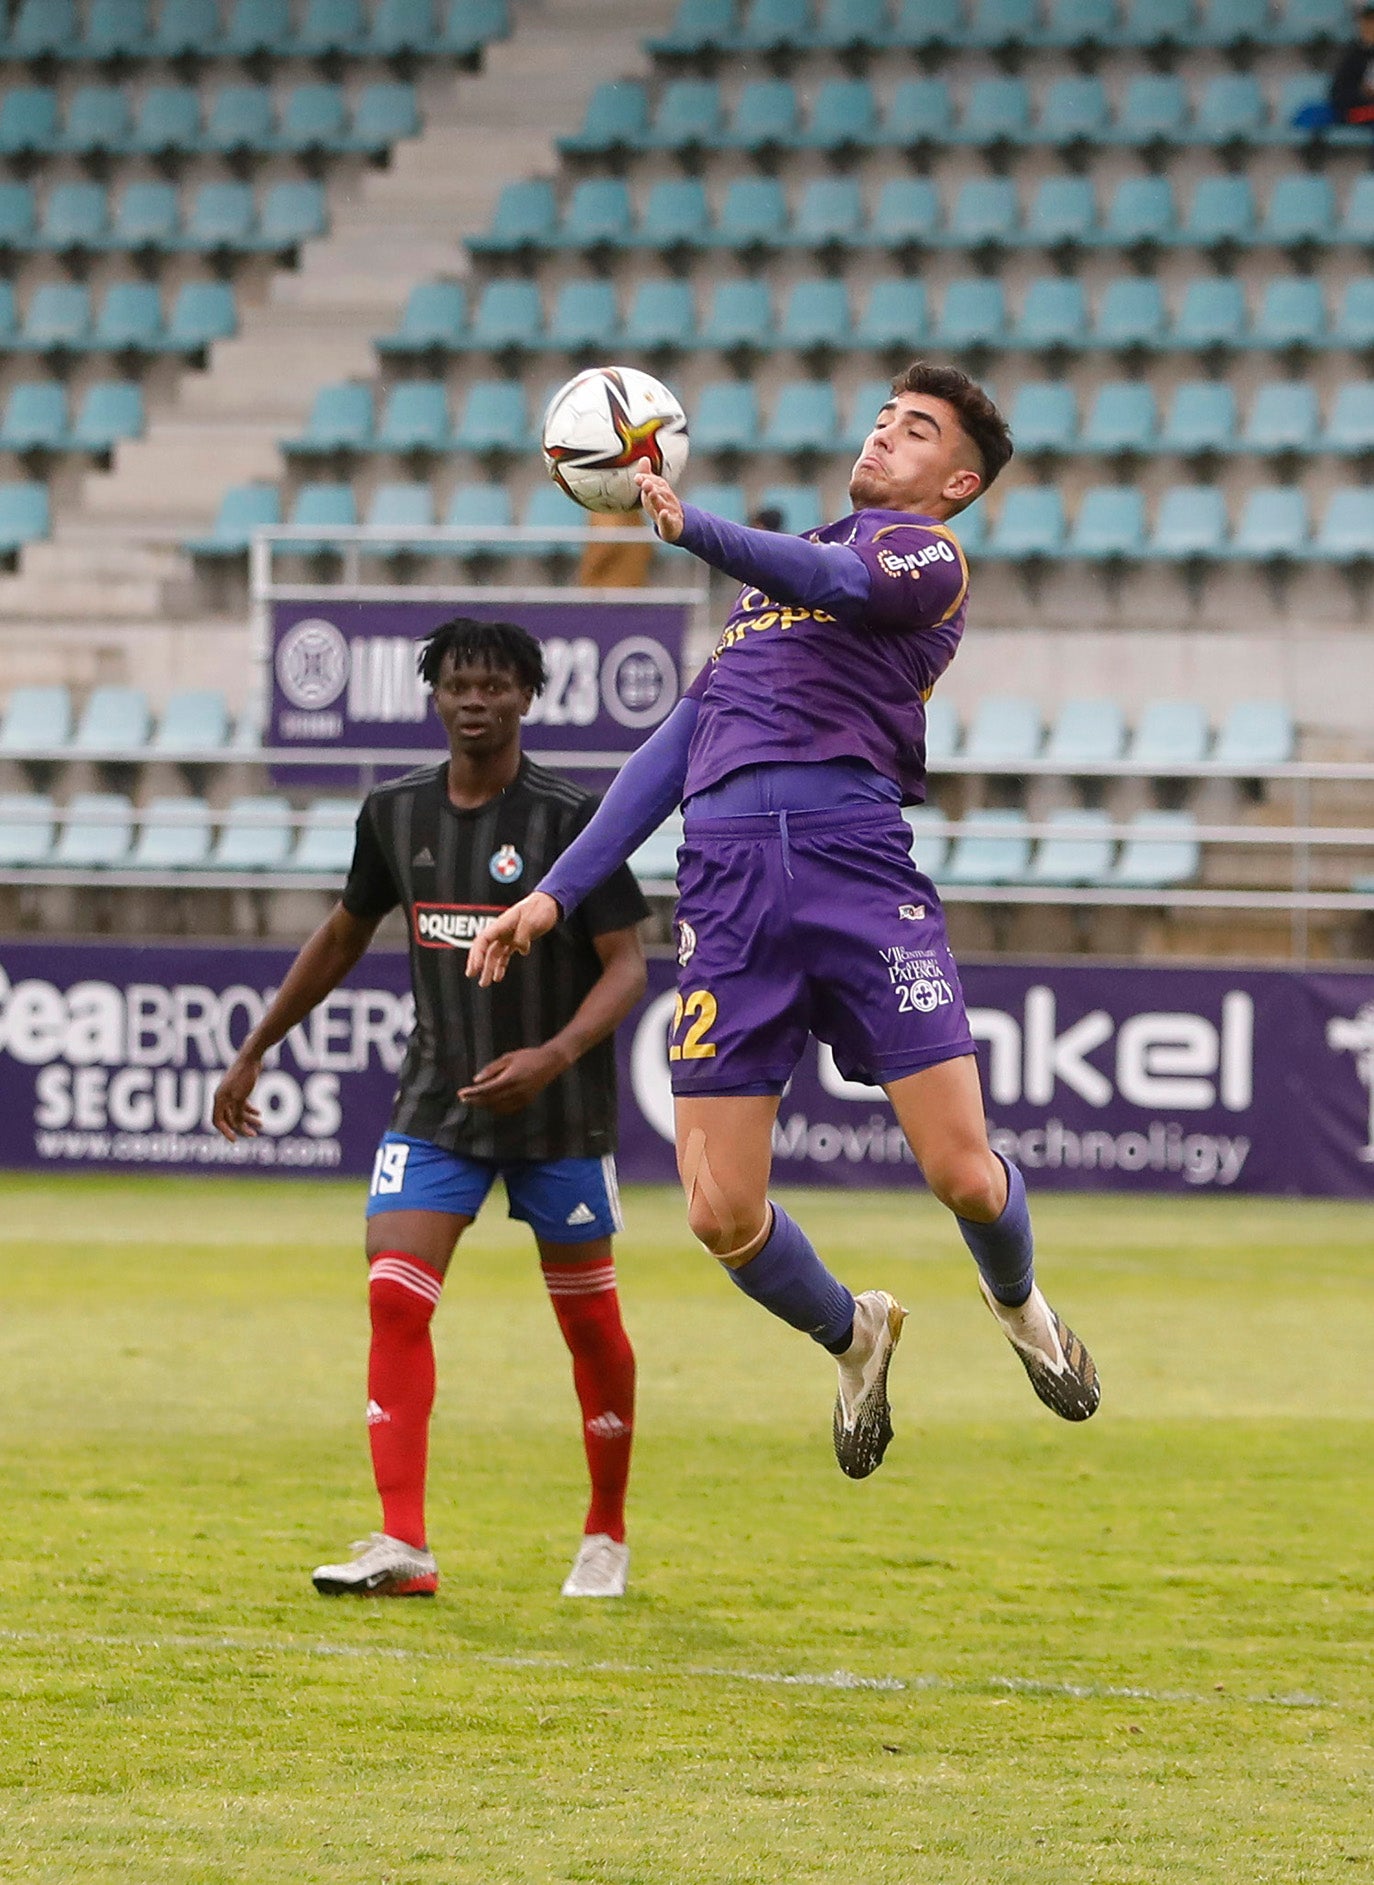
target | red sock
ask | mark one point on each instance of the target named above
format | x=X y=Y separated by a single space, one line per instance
x=402 y=1296
x=588 y=1310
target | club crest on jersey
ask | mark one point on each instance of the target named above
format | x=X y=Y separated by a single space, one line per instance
x=507 y=865
x=686 y=944
x=911 y=912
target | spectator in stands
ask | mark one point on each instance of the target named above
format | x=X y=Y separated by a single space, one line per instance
x=767 y=517
x=615 y=565
x=1350 y=99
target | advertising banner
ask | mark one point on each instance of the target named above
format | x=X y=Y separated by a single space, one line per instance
x=1162 y=1079
x=343 y=672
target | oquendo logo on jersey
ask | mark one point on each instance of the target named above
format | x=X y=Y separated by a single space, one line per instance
x=451 y=925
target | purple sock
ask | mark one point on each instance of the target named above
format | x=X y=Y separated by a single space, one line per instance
x=1005 y=1249
x=791 y=1282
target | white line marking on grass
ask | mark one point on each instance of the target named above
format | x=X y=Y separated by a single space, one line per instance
x=700 y=1672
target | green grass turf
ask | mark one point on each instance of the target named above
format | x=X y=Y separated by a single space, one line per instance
x=1134 y=1651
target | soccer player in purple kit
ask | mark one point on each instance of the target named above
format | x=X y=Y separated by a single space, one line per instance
x=800 y=908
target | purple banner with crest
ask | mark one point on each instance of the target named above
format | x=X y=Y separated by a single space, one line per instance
x=1161 y=1079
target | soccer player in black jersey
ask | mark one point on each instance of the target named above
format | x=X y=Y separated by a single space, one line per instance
x=517 y=1081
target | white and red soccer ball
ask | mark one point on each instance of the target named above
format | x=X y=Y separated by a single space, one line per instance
x=606 y=425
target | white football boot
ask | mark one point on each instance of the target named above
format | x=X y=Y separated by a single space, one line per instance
x=599 y=1569
x=1061 y=1370
x=863 y=1418
x=381 y=1567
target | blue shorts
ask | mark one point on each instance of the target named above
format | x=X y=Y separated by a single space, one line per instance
x=811 y=922
x=563 y=1200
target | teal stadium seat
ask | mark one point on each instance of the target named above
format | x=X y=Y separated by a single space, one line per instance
x=655 y=862
x=76 y=219
x=725 y=417
x=43 y=29
x=115 y=720
x=906 y=215
x=921 y=25
x=1044 y=417
x=1231 y=112
x=1221 y=214
x=800 y=505
x=194 y=724
x=255 y=835
x=402 y=505
x=385 y=115
x=973 y=314
x=1062 y=214
x=28 y=825
x=996 y=112
x=998 y=24
x=98 y=122
x=615 y=122
x=1074 y=111
x=18 y=217
x=1054 y=314
x=816 y=316
x=35 y=418
x=36 y=720
x=330 y=27
x=920 y=115
x=767 y=117
x=1029 y=528
x=1274 y=526
x=1357 y=220
x=434 y=320
x=1233 y=25
x=973 y=530
x=699 y=26
x=584 y=316
x=739 y=318
x=1211 y=314
x=676 y=216
x=1153 y=113
x=482 y=507
x=202 y=313
x=1141 y=214
x=1006 y=729
x=525 y=218
x=866 y=402
x=415 y=419
x=97 y=831
x=549 y=508
x=110 y=412
x=929 y=833
x=24 y=515
x=1079 y=851
x=222 y=218
x=598 y=216
x=990 y=847
x=1202 y=419
x=255 y=27
x=174 y=834
x=893 y=317
x=314 y=119
x=401 y=29
x=167 y=122
x=292 y=213
x=1283 y=417
x=1170 y=733
x=661 y=317
x=8 y=319
x=1346 y=532
x=942 y=730
x=1081 y=25
x=325 y=845
x=1301 y=212
x=340 y=421
x=319 y=507
x=494 y=419
x=829 y=214
x=1192 y=525
x=1350 y=429
x=853 y=26
x=1109 y=525
x=115 y=30
x=509 y=318
x=469 y=26
x=58 y=319
x=1122 y=418
x=28 y=121
x=242 y=118
x=1256 y=733
x=688 y=117
x=130 y=320
x=1161 y=851
x=243 y=509
x=1291 y=313
x=186 y=29
x=1354 y=324
x=774 y=25
x=805 y=419
x=147 y=217
x=1316 y=24
x=985 y=214
x=844 y=118
x=1086 y=732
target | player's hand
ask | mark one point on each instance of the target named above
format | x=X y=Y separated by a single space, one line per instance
x=662 y=505
x=233 y=1115
x=511 y=934
x=508 y=1083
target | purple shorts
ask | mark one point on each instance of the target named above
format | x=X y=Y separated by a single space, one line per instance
x=797 y=923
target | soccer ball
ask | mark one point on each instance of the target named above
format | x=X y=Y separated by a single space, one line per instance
x=604 y=426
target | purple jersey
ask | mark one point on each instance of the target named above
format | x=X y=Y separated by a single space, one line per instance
x=794 y=683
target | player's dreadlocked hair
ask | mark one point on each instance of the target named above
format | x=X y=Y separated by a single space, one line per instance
x=484 y=644
x=982 y=423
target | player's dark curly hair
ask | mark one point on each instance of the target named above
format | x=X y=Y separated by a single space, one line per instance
x=982 y=423
x=483 y=644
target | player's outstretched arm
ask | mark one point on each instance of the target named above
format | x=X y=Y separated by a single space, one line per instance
x=322 y=964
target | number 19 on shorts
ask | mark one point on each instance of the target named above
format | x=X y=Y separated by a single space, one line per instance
x=696 y=1014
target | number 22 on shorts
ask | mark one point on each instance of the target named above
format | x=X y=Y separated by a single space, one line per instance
x=699 y=1010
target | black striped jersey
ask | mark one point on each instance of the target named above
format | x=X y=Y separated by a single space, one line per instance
x=453 y=871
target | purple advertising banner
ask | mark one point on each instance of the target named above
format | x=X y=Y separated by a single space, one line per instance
x=343 y=672
x=1162 y=1079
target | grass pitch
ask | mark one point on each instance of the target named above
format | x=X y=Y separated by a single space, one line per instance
x=1138 y=1650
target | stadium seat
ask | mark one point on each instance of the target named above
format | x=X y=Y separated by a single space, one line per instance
x=255 y=27
x=75 y=220
x=1221 y=214
x=615 y=121
x=1357 y=220
x=1029 y=526
x=942 y=731
x=507 y=318
x=36 y=720
x=28 y=825
x=385 y=114
x=655 y=862
x=130 y=320
x=1121 y=418
x=400 y=505
x=415 y=419
x=1282 y=418
x=340 y=420
x=1202 y=418
x=1301 y=211
x=8 y=324
x=725 y=417
x=28 y=121
x=816 y=315
x=255 y=835
x=401 y=29
x=97 y=831
x=1086 y=733
x=773 y=25
x=24 y=515
x=1233 y=25
x=990 y=847
x=677 y=216
x=1006 y=729
x=598 y=216
x=98 y=123
x=800 y=505
x=241 y=119
x=319 y=507
x=1080 y=851
x=243 y=509
x=688 y=117
x=584 y=315
x=193 y=723
x=661 y=317
x=1053 y=315
x=325 y=845
x=972 y=529
x=167 y=122
x=526 y=217
x=330 y=26
x=828 y=214
x=18 y=217
x=805 y=419
x=110 y=412
x=1062 y=214
x=494 y=419
x=844 y=118
x=1230 y=111
x=997 y=112
x=1162 y=850
x=852 y=26
x=1350 y=428
x=753 y=214
x=1274 y=526
x=58 y=319
x=203 y=312
x=1109 y=525
x=929 y=834
x=766 y=117
x=115 y=30
x=549 y=508
x=186 y=28
x=1317 y=24
x=115 y=720
x=173 y=834
x=147 y=217
x=1291 y=313
x=314 y=118
x=1170 y=733
x=1256 y=733
x=43 y=29
x=920 y=114
x=1141 y=213
x=482 y=507
x=986 y=213
x=1073 y=111
x=1153 y=112
x=1354 y=323
x=1211 y=314
x=868 y=399
x=973 y=314
x=700 y=26
x=35 y=418
x=471 y=25
x=1080 y=25
x=893 y=317
x=1044 y=417
x=997 y=24
x=1191 y=525
x=906 y=214
x=222 y=218
x=740 y=316
x=433 y=320
x=292 y=213
x=1346 y=532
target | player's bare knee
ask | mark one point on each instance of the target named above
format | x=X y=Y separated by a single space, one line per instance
x=970 y=1185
